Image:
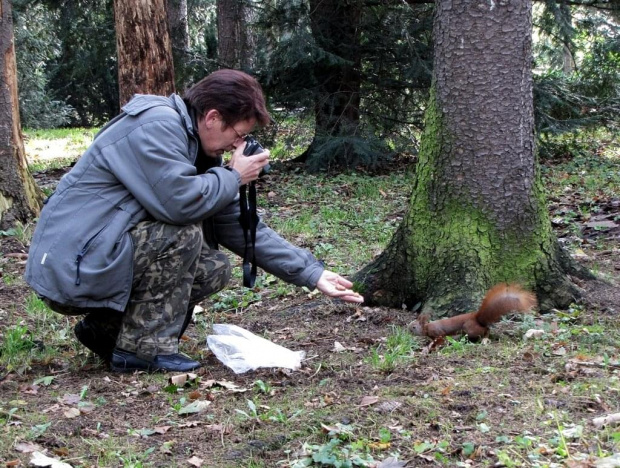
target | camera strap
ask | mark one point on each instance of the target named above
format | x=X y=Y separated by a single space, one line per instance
x=249 y=221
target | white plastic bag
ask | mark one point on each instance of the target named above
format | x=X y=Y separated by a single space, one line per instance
x=242 y=350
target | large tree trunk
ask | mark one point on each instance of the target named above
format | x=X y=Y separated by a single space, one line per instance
x=235 y=41
x=143 y=46
x=20 y=198
x=478 y=215
x=336 y=30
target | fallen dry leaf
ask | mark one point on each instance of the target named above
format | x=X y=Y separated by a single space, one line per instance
x=13 y=463
x=218 y=428
x=392 y=463
x=162 y=429
x=181 y=379
x=195 y=395
x=433 y=345
x=369 y=400
x=51 y=409
x=86 y=407
x=94 y=433
x=38 y=459
x=61 y=451
x=27 y=447
x=29 y=389
x=330 y=429
x=533 y=333
x=358 y=316
x=606 y=420
x=561 y=351
x=70 y=399
x=338 y=348
x=71 y=413
x=190 y=424
x=388 y=406
x=195 y=461
x=527 y=356
x=166 y=447
x=328 y=399
x=194 y=407
x=224 y=384
x=379 y=445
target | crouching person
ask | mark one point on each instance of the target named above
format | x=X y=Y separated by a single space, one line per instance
x=129 y=238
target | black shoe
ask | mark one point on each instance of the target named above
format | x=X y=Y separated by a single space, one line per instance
x=99 y=343
x=124 y=361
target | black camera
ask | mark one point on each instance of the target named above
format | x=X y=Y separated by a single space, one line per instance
x=253 y=147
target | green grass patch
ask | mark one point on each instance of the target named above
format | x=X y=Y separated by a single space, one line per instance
x=398 y=349
x=18 y=346
x=56 y=148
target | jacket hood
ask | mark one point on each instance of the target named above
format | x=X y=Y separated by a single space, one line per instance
x=141 y=102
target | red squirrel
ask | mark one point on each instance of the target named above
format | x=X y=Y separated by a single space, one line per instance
x=501 y=299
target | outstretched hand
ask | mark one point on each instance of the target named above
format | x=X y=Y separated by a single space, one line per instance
x=334 y=285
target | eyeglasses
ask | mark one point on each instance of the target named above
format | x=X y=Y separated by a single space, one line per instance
x=243 y=137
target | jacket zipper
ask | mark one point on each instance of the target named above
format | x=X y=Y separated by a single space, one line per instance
x=78 y=260
x=80 y=255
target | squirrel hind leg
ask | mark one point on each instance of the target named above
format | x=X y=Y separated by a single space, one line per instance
x=474 y=330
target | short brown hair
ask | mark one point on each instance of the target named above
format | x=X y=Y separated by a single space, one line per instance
x=235 y=95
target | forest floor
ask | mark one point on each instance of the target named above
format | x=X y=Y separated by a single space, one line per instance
x=368 y=393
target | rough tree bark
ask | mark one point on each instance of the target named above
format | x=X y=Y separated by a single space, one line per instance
x=20 y=198
x=335 y=28
x=143 y=47
x=477 y=215
x=234 y=38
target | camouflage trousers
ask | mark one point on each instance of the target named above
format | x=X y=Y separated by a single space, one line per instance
x=173 y=270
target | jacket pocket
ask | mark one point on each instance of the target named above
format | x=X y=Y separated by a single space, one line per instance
x=87 y=246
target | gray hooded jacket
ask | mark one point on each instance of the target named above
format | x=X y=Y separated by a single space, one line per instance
x=141 y=165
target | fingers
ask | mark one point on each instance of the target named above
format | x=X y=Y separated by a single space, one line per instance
x=249 y=167
x=337 y=280
x=257 y=163
x=336 y=286
x=343 y=282
x=261 y=158
x=349 y=296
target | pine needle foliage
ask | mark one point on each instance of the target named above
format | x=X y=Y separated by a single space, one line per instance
x=588 y=94
x=393 y=67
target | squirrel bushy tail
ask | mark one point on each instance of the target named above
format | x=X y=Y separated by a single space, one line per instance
x=500 y=300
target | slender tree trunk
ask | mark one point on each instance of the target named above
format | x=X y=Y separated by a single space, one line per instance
x=336 y=30
x=178 y=27
x=478 y=215
x=20 y=198
x=568 y=62
x=144 y=50
x=176 y=11
x=235 y=41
